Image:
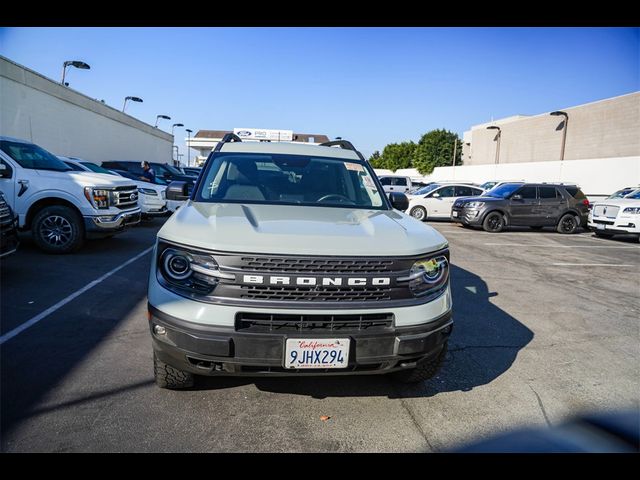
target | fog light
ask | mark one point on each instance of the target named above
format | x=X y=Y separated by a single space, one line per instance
x=159 y=330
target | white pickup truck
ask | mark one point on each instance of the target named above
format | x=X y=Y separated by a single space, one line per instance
x=60 y=207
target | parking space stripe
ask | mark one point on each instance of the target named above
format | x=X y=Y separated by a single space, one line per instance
x=592 y=265
x=31 y=322
x=557 y=246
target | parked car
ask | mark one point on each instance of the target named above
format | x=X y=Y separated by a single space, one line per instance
x=622 y=193
x=163 y=171
x=151 y=198
x=536 y=205
x=61 y=207
x=194 y=171
x=615 y=216
x=486 y=186
x=281 y=265
x=395 y=183
x=436 y=200
x=8 y=226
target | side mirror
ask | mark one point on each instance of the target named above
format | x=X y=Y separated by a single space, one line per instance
x=178 y=190
x=436 y=195
x=399 y=201
x=4 y=171
x=516 y=197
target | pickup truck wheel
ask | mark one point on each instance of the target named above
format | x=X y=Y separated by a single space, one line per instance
x=568 y=224
x=493 y=223
x=58 y=229
x=169 y=377
x=424 y=371
x=419 y=213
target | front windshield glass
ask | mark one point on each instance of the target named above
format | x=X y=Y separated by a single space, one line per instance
x=290 y=180
x=503 y=191
x=173 y=170
x=427 y=189
x=96 y=168
x=620 y=193
x=635 y=195
x=488 y=185
x=33 y=157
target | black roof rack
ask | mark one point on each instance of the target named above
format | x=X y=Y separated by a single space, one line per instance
x=228 y=138
x=344 y=144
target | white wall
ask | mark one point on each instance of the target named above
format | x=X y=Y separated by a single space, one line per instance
x=596 y=177
x=65 y=122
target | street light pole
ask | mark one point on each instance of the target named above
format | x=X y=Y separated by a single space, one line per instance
x=498 y=137
x=189 y=131
x=177 y=150
x=133 y=99
x=164 y=117
x=564 y=130
x=73 y=63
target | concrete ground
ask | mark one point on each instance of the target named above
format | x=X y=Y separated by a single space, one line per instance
x=546 y=328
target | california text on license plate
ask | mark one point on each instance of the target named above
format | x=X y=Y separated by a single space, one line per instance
x=316 y=353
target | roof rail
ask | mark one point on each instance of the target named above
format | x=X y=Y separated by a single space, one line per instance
x=228 y=138
x=344 y=144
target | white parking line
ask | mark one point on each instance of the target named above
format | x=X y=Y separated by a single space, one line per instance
x=592 y=265
x=30 y=323
x=556 y=246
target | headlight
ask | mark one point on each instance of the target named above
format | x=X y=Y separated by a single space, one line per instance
x=147 y=191
x=97 y=197
x=474 y=204
x=184 y=269
x=163 y=194
x=428 y=276
x=632 y=210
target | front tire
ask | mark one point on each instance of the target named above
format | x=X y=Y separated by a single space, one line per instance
x=424 y=371
x=170 y=377
x=58 y=229
x=493 y=222
x=419 y=213
x=568 y=224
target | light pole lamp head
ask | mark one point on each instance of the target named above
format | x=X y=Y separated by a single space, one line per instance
x=177 y=125
x=77 y=64
x=188 y=130
x=134 y=99
x=164 y=117
x=558 y=113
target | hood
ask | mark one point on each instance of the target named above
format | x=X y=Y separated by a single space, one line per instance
x=87 y=179
x=298 y=230
x=619 y=202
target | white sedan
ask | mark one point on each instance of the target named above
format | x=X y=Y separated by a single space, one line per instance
x=436 y=200
x=616 y=216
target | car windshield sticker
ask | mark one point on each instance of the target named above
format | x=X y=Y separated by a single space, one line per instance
x=356 y=167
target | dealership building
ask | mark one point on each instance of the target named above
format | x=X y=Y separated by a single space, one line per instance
x=69 y=123
x=205 y=140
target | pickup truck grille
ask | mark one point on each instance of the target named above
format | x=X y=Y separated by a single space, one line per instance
x=125 y=197
x=281 y=323
x=317 y=294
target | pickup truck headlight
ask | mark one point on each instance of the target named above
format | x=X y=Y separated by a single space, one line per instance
x=632 y=210
x=147 y=191
x=97 y=197
x=474 y=204
x=429 y=275
x=187 y=270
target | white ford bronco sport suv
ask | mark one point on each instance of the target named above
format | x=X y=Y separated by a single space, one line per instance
x=62 y=207
x=289 y=260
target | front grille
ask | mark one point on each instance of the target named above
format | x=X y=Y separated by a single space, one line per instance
x=282 y=323
x=4 y=209
x=604 y=222
x=609 y=211
x=315 y=294
x=350 y=368
x=315 y=265
x=122 y=197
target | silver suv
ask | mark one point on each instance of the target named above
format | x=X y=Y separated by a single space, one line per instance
x=289 y=260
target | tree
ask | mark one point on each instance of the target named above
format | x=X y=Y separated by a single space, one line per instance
x=398 y=155
x=435 y=149
x=376 y=160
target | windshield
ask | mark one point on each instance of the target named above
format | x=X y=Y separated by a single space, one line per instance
x=96 y=168
x=635 y=195
x=488 y=185
x=503 y=191
x=173 y=170
x=32 y=156
x=620 y=193
x=289 y=180
x=427 y=189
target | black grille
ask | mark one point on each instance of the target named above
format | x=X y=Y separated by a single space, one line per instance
x=604 y=222
x=315 y=265
x=314 y=294
x=281 y=323
x=4 y=209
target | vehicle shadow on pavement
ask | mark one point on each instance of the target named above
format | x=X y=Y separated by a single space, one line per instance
x=484 y=344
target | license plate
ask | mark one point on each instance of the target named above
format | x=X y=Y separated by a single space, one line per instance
x=316 y=353
x=600 y=226
x=455 y=214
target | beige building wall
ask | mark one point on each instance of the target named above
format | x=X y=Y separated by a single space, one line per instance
x=605 y=129
x=66 y=122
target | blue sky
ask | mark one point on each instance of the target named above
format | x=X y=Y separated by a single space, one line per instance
x=370 y=85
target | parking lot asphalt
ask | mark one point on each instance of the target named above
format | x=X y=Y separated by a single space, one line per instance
x=546 y=327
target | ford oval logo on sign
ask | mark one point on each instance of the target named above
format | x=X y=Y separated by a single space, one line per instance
x=133 y=197
x=244 y=133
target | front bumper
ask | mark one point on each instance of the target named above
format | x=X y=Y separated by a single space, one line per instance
x=467 y=216
x=623 y=225
x=9 y=241
x=108 y=224
x=216 y=350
